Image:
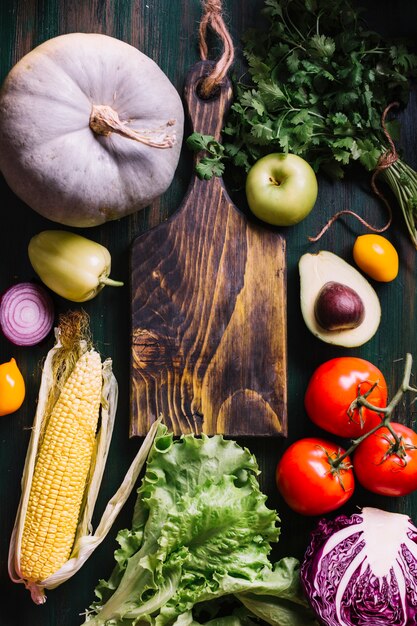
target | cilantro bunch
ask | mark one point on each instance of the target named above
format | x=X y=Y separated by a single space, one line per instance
x=320 y=81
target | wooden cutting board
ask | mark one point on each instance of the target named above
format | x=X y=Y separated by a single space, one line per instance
x=208 y=286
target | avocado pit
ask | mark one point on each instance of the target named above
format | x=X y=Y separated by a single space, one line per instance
x=338 y=307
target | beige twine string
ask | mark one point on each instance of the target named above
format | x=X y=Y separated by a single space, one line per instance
x=385 y=160
x=213 y=17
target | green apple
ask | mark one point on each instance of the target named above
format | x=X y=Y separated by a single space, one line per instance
x=281 y=189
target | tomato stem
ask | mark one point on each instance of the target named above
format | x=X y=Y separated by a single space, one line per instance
x=385 y=411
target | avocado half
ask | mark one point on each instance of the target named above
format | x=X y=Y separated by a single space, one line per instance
x=323 y=267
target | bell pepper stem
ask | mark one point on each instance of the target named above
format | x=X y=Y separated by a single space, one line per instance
x=110 y=282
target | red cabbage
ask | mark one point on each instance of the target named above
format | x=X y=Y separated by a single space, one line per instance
x=362 y=570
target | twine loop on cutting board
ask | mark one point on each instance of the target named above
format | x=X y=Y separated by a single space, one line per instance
x=213 y=18
x=385 y=161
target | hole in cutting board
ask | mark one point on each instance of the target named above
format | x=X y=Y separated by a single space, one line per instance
x=212 y=96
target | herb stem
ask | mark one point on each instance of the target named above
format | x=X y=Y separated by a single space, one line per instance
x=292 y=25
x=309 y=111
x=402 y=180
x=374 y=51
x=281 y=121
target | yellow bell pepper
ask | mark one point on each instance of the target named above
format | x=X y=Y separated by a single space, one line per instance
x=72 y=266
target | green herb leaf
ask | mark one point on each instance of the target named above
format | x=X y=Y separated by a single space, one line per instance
x=208 y=167
x=323 y=46
x=197 y=142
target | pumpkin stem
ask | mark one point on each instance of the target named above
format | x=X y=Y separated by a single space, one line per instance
x=104 y=120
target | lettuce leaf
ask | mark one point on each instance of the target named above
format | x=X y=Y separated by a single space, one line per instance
x=201 y=530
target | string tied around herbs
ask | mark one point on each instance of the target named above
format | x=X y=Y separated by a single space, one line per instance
x=213 y=18
x=385 y=161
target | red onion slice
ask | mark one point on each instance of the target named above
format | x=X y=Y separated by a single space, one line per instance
x=26 y=314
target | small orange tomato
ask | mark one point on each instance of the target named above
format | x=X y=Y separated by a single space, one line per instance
x=376 y=256
x=12 y=388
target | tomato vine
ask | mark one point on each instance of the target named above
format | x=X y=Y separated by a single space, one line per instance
x=361 y=401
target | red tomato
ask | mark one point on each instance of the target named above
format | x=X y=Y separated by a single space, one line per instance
x=334 y=386
x=305 y=479
x=380 y=469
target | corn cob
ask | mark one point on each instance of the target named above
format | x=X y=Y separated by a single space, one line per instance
x=61 y=472
x=53 y=535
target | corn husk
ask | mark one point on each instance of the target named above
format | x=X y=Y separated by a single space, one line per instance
x=86 y=539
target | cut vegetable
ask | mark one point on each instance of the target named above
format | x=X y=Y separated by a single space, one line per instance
x=361 y=570
x=26 y=314
x=77 y=392
x=317 y=270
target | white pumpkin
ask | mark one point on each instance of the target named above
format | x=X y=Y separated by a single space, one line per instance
x=90 y=129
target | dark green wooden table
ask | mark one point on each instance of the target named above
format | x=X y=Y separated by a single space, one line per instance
x=167 y=30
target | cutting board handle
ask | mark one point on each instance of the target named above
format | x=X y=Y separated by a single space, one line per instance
x=206 y=114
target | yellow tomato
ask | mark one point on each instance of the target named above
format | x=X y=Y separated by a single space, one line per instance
x=12 y=388
x=377 y=257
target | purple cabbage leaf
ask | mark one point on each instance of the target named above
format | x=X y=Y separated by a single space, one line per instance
x=362 y=570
